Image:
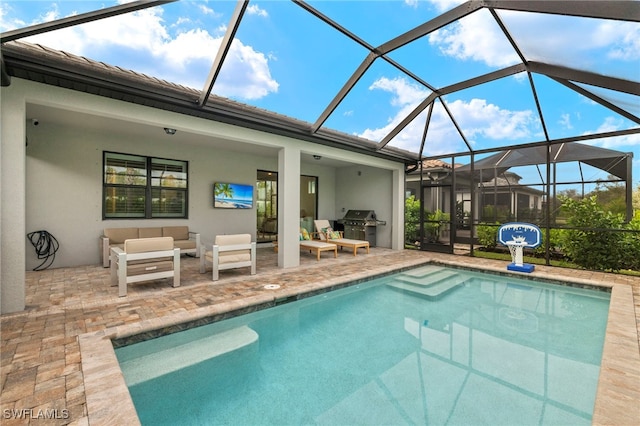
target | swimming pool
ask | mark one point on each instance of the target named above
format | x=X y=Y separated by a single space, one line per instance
x=473 y=349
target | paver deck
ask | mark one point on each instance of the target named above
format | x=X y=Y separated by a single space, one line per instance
x=57 y=359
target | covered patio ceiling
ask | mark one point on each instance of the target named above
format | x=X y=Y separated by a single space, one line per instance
x=616 y=90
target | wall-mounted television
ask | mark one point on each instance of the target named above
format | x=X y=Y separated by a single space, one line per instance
x=232 y=196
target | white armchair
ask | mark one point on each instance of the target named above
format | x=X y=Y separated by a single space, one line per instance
x=144 y=259
x=227 y=252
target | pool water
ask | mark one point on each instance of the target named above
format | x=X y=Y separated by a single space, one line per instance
x=432 y=345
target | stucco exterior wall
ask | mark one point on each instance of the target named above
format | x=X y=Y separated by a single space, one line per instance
x=52 y=174
x=369 y=189
x=12 y=200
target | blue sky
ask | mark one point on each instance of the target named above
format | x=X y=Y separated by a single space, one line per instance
x=285 y=60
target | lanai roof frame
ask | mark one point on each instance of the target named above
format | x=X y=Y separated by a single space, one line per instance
x=613 y=10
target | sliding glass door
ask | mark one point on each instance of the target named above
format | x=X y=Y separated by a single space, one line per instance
x=308 y=201
x=267 y=204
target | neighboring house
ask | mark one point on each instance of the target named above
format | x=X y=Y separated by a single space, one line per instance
x=504 y=199
x=500 y=199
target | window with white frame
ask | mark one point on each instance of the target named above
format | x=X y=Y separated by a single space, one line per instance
x=136 y=186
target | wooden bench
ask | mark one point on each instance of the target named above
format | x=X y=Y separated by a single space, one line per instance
x=351 y=244
x=318 y=247
x=325 y=233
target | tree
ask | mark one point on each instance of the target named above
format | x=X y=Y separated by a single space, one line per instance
x=610 y=196
x=569 y=193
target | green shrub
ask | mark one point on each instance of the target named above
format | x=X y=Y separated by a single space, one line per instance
x=555 y=242
x=631 y=244
x=434 y=223
x=488 y=234
x=593 y=249
x=411 y=219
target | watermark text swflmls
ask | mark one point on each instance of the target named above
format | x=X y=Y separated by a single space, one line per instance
x=30 y=413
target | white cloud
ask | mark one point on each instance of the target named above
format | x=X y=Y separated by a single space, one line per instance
x=406 y=97
x=5 y=10
x=623 y=37
x=204 y=9
x=610 y=124
x=52 y=14
x=481 y=119
x=577 y=42
x=548 y=38
x=254 y=9
x=444 y=5
x=221 y=29
x=183 y=21
x=186 y=47
x=142 y=30
x=621 y=143
x=477 y=118
x=144 y=44
x=475 y=37
x=410 y=138
x=565 y=121
x=411 y=3
x=246 y=74
x=403 y=92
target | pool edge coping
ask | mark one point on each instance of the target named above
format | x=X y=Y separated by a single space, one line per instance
x=105 y=383
x=620 y=363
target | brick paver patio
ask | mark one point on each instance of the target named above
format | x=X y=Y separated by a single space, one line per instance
x=51 y=353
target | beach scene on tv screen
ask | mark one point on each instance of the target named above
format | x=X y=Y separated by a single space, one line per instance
x=232 y=196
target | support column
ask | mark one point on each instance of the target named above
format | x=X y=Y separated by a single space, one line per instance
x=13 y=238
x=397 y=219
x=288 y=207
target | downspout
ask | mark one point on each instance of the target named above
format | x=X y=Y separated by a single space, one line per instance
x=5 y=78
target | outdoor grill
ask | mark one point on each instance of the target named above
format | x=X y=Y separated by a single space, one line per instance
x=361 y=225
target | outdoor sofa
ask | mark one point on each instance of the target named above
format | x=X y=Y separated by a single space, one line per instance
x=184 y=239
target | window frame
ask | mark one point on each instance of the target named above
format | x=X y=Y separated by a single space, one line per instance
x=148 y=187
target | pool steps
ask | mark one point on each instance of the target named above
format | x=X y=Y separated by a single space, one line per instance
x=431 y=281
x=156 y=364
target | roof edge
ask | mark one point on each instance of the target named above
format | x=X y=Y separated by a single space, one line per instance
x=52 y=67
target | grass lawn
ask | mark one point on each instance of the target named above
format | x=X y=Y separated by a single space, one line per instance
x=533 y=260
x=541 y=261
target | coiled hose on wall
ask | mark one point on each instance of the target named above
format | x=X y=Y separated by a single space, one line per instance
x=46 y=247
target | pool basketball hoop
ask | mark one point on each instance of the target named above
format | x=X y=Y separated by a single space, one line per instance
x=517 y=236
